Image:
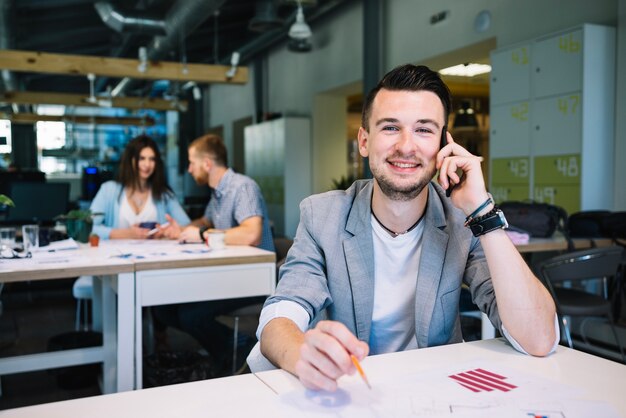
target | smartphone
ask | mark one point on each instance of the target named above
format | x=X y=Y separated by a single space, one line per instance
x=444 y=137
x=444 y=142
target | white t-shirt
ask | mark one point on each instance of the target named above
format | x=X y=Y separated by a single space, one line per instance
x=396 y=266
x=128 y=217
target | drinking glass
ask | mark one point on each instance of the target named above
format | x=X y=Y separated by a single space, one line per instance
x=7 y=237
x=30 y=237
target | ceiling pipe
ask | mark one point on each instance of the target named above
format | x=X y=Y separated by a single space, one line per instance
x=126 y=23
x=183 y=18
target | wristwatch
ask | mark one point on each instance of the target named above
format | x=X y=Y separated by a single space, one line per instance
x=202 y=230
x=492 y=220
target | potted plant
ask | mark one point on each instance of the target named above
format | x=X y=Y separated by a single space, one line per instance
x=78 y=223
x=6 y=200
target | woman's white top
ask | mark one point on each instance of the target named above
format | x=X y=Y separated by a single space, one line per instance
x=128 y=217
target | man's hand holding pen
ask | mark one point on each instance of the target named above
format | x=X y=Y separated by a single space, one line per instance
x=325 y=355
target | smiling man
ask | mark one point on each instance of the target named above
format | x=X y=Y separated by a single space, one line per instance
x=378 y=268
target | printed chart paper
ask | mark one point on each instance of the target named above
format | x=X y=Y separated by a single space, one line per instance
x=481 y=389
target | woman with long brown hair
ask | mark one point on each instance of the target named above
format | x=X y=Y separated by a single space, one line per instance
x=139 y=197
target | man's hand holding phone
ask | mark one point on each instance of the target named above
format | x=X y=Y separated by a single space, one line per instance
x=461 y=175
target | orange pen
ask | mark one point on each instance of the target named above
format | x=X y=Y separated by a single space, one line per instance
x=360 y=370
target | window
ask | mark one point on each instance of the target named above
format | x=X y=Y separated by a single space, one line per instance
x=50 y=135
x=5 y=136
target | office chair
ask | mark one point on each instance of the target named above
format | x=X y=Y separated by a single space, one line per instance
x=585 y=265
x=245 y=320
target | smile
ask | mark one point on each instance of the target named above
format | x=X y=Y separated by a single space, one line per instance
x=403 y=165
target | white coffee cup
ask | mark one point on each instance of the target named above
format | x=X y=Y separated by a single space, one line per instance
x=215 y=240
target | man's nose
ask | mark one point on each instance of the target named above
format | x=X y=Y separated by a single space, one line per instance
x=405 y=143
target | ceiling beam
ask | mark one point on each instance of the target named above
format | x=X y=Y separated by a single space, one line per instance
x=35 y=98
x=31 y=118
x=43 y=62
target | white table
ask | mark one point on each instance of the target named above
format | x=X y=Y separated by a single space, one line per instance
x=264 y=394
x=596 y=378
x=141 y=273
x=116 y=277
x=167 y=272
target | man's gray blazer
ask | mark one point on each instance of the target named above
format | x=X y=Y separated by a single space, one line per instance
x=329 y=270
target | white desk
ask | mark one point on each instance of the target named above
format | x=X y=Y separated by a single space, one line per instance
x=116 y=277
x=167 y=272
x=596 y=379
x=592 y=378
x=142 y=273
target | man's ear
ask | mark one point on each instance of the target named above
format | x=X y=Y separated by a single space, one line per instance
x=362 y=138
x=207 y=164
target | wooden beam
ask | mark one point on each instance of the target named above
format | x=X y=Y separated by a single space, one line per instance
x=31 y=118
x=34 y=98
x=43 y=62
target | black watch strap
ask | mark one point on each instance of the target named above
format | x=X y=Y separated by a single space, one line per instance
x=490 y=222
x=202 y=230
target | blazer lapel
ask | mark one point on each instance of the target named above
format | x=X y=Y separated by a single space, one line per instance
x=434 y=245
x=359 y=253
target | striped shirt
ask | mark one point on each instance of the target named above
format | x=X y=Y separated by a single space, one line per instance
x=236 y=199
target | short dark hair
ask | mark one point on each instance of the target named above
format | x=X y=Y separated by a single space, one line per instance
x=129 y=166
x=411 y=78
x=213 y=146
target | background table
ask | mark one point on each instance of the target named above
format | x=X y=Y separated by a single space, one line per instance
x=116 y=277
x=167 y=272
x=140 y=273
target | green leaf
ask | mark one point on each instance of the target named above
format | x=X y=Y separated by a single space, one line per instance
x=6 y=200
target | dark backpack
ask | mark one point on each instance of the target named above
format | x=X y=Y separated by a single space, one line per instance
x=597 y=224
x=540 y=220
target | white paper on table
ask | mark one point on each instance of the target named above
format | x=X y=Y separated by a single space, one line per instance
x=435 y=394
x=66 y=244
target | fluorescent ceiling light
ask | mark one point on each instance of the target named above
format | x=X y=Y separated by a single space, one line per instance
x=51 y=110
x=466 y=70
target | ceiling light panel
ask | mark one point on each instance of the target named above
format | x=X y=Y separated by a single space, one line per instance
x=466 y=70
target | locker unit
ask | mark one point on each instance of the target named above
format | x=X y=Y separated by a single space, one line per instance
x=552 y=109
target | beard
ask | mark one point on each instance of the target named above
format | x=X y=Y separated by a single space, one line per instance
x=201 y=179
x=404 y=192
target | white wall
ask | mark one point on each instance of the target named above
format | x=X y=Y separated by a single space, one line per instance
x=411 y=37
x=227 y=103
x=295 y=79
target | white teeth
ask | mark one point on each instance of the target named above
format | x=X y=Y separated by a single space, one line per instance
x=404 y=165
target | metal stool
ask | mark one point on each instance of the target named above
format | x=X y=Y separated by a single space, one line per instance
x=83 y=292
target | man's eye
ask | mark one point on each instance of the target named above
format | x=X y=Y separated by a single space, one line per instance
x=390 y=128
x=423 y=130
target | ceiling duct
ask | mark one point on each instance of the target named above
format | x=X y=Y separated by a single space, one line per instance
x=125 y=23
x=265 y=18
x=183 y=18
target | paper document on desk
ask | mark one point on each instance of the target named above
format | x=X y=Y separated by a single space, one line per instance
x=481 y=389
x=66 y=244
